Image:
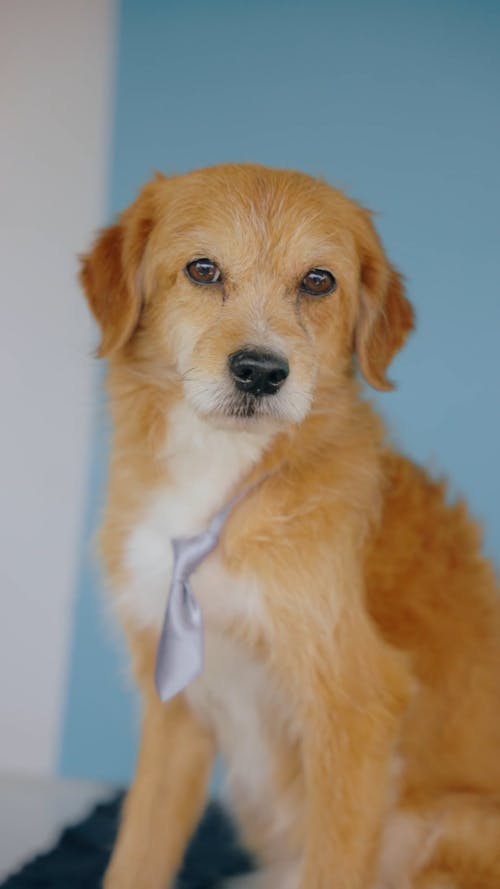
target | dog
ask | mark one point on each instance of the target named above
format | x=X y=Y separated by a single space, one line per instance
x=352 y=627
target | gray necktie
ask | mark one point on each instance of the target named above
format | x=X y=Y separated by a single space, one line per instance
x=179 y=657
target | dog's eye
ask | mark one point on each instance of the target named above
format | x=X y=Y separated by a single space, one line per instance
x=318 y=282
x=203 y=271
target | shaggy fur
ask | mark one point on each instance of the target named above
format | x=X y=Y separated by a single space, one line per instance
x=352 y=677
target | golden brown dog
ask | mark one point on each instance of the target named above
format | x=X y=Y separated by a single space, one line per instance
x=352 y=675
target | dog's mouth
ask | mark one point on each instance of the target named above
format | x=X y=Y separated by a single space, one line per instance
x=241 y=410
x=226 y=405
x=244 y=408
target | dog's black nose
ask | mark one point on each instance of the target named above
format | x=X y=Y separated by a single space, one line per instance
x=258 y=372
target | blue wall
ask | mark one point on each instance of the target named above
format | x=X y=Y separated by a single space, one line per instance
x=397 y=102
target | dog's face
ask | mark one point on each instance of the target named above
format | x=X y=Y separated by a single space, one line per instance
x=252 y=288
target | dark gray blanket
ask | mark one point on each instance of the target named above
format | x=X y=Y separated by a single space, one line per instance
x=79 y=859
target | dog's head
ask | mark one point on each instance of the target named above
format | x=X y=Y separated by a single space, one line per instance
x=250 y=288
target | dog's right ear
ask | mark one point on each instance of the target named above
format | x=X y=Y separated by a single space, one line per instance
x=110 y=275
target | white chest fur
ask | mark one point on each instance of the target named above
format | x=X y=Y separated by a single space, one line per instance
x=238 y=697
x=229 y=695
x=204 y=464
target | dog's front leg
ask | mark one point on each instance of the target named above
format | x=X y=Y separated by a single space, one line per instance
x=348 y=750
x=347 y=765
x=166 y=797
x=348 y=690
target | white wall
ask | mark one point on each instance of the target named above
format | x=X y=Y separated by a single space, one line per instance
x=56 y=66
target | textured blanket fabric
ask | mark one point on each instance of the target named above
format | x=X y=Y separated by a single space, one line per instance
x=79 y=859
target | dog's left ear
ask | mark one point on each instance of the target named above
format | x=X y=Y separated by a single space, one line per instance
x=385 y=316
